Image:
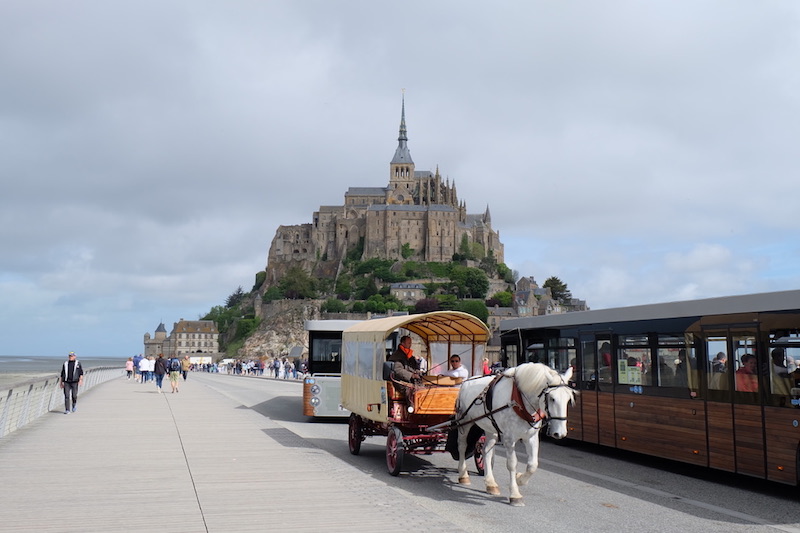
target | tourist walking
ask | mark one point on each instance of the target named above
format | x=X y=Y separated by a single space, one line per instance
x=129 y=367
x=186 y=365
x=174 y=373
x=71 y=378
x=160 y=371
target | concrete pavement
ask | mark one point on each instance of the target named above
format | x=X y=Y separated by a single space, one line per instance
x=131 y=459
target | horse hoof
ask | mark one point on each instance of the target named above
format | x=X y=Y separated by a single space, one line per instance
x=493 y=490
x=464 y=481
x=516 y=502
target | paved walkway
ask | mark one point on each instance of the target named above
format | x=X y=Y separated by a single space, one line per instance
x=134 y=460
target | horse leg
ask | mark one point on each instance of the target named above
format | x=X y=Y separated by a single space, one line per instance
x=463 y=475
x=532 y=449
x=488 y=464
x=514 y=496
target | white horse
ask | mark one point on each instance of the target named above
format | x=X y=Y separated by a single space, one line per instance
x=513 y=405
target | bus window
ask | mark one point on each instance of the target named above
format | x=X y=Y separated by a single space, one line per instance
x=535 y=353
x=633 y=360
x=588 y=364
x=745 y=357
x=561 y=354
x=604 y=361
x=718 y=367
x=668 y=357
x=784 y=376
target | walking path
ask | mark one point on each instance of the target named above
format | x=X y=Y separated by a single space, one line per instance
x=131 y=459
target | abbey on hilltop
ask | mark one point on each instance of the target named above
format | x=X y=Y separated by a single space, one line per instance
x=417 y=216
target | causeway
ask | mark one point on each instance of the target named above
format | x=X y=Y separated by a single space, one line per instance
x=131 y=459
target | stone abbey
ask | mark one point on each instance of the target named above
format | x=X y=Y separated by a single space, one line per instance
x=418 y=214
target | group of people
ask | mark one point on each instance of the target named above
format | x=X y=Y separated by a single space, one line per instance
x=153 y=369
x=410 y=368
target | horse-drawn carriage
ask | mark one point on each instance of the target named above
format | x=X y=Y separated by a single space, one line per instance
x=405 y=412
x=417 y=418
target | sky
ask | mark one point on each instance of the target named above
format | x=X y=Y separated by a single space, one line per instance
x=642 y=152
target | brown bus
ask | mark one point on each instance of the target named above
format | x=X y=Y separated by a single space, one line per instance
x=712 y=382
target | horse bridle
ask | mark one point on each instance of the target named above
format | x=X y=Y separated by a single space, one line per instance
x=546 y=393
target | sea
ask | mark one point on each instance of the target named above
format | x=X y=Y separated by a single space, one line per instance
x=16 y=369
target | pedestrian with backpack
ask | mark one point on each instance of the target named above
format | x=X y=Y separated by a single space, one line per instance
x=174 y=367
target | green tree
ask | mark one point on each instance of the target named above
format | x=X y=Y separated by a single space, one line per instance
x=474 y=307
x=502 y=298
x=234 y=299
x=333 y=305
x=406 y=252
x=426 y=305
x=558 y=289
x=297 y=284
x=272 y=294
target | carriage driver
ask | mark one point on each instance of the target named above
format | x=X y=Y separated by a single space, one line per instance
x=406 y=366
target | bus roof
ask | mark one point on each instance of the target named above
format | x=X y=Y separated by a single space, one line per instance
x=329 y=325
x=748 y=303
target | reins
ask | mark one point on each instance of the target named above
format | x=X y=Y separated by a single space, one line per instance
x=516 y=403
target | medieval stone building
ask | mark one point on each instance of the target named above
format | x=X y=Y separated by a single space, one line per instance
x=417 y=216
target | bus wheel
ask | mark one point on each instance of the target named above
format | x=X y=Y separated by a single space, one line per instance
x=355 y=433
x=395 y=451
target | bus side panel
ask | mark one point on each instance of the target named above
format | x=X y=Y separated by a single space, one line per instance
x=783 y=439
x=606 y=427
x=721 y=453
x=665 y=427
x=587 y=411
x=749 y=435
x=575 y=418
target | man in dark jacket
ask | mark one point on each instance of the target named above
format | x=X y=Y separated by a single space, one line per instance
x=71 y=379
x=406 y=367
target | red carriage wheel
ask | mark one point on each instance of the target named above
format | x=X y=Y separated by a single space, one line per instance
x=355 y=433
x=480 y=466
x=395 y=450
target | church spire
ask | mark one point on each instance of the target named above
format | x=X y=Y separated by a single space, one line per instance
x=402 y=155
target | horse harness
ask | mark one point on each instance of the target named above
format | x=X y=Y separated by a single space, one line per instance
x=516 y=403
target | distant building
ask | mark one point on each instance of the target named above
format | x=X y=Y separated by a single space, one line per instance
x=187 y=337
x=408 y=293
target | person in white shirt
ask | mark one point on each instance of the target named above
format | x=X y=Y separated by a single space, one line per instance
x=456 y=370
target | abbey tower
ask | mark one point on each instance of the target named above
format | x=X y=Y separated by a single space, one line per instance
x=417 y=211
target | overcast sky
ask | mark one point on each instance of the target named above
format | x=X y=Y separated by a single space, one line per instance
x=641 y=151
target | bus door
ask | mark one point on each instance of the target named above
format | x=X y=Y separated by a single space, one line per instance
x=587 y=400
x=594 y=366
x=735 y=418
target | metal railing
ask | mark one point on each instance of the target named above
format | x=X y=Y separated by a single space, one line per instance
x=25 y=402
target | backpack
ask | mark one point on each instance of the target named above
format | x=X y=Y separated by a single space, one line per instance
x=174 y=365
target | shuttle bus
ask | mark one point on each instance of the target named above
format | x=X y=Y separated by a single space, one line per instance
x=322 y=384
x=713 y=382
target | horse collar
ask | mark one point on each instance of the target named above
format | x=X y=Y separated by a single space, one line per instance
x=518 y=405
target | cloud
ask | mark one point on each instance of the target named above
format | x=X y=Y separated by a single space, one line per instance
x=149 y=150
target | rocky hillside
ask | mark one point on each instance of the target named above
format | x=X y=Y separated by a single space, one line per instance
x=281 y=328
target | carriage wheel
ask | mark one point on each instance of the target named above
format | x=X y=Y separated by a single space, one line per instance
x=355 y=433
x=395 y=450
x=480 y=466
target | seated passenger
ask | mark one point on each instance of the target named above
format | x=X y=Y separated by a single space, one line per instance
x=406 y=366
x=456 y=370
x=746 y=377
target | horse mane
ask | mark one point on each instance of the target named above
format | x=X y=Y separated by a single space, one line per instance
x=533 y=378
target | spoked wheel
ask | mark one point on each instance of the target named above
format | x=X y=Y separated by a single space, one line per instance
x=480 y=466
x=355 y=433
x=395 y=450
